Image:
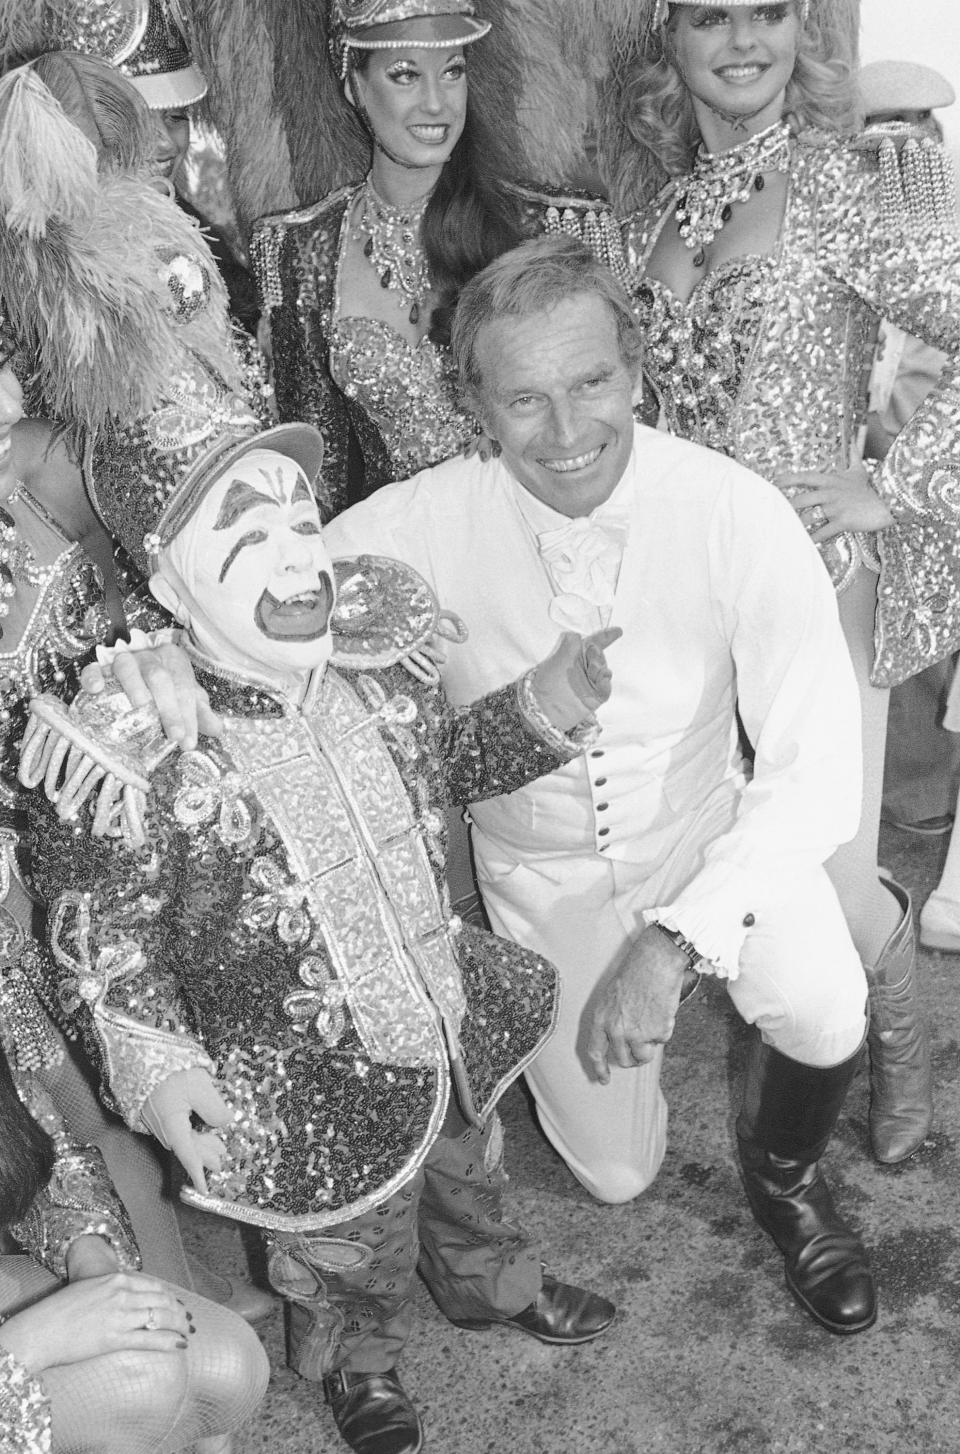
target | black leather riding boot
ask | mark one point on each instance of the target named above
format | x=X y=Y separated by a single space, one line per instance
x=789 y=1112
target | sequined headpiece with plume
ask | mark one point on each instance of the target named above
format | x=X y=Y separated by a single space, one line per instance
x=145 y=39
x=148 y=479
x=106 y=284
x=367 y=25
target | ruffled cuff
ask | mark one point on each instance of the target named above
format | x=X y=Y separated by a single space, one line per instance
x=715 y=912
x=24 y=1410
x=139 y=641
x=566 y=745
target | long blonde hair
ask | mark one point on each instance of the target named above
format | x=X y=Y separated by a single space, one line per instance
x=647 y=131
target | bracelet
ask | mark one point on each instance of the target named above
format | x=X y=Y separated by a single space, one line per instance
x=694 y=957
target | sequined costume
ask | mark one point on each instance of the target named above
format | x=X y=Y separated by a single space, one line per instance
x=78 y=1200
x=287 y=921
x=336 y=372
x=24 y=1412
x=66 y=618
x=766 y=359
x=66 y=621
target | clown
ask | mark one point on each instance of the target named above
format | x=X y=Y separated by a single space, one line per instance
x=263 y=939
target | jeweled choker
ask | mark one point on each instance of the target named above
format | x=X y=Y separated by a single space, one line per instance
x=394 y=248
x=705 y=197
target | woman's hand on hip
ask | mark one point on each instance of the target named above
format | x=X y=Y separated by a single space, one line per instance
x=829 y=503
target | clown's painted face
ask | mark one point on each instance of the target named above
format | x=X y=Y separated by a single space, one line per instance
x=252 y=571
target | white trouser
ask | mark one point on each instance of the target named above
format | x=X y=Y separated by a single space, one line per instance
x=800 y=982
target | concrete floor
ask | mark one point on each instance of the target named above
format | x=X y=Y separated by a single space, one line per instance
x=709 y=1354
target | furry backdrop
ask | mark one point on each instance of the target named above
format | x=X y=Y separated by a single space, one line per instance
x=291 y=136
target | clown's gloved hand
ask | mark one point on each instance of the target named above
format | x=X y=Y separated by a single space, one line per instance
x=166 y=1115
x=575 y=680
x=154 y=670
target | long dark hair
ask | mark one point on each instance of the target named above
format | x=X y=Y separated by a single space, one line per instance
x=471 y=217
x=26 y=1151
x=470 y=220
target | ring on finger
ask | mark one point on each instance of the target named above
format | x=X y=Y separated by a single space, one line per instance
x=151 y=1321
x=818 y=517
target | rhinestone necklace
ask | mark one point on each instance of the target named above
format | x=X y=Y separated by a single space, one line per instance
x=394 y=249
x=705 y=197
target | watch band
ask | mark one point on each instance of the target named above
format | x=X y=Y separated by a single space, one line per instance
x=694 y=957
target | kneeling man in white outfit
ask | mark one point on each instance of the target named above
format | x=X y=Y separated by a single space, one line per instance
x=660 y=847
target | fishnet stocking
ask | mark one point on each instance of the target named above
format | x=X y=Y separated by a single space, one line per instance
x=147 y=1403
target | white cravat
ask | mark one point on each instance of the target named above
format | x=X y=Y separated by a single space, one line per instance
x=583 y=557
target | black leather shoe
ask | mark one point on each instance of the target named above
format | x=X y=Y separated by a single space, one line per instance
x=373 y=1413
x=562 y=1314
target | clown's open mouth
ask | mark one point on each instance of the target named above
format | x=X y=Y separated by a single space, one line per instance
x=303 y=617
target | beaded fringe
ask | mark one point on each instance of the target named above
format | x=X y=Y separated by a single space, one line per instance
x=917 y=185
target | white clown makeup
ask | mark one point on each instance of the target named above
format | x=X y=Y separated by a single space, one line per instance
x=250 y=574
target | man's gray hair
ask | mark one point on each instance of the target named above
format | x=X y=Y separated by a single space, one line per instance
x=530 y=279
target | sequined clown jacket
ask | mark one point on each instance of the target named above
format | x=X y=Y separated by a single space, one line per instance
x=766 y=362
x=78 y=1200
x=337 y=372
x=286 y=924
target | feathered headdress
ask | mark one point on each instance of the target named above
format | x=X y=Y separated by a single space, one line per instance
x=105 y=282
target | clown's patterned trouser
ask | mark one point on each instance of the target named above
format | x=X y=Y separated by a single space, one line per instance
x=351 y=1290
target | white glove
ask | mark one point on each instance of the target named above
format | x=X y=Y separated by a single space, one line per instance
x=575 y=679
x=166 y=1115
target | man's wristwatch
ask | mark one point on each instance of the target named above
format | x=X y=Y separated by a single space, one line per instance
x=694 y=957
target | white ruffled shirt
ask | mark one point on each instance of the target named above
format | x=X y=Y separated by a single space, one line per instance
x=582 y=556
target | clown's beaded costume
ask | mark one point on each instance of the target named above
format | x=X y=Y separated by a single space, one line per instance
x=285 y=918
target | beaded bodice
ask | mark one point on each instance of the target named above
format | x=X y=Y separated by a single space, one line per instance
x=696 y=351
x=407 y=390
x=767 y=361
x=66 y=619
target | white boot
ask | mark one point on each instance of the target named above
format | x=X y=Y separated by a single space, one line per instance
x=940 y=915
x=940 y=923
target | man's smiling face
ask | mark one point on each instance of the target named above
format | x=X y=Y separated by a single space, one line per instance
x=254 y=573
x=558 y=397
